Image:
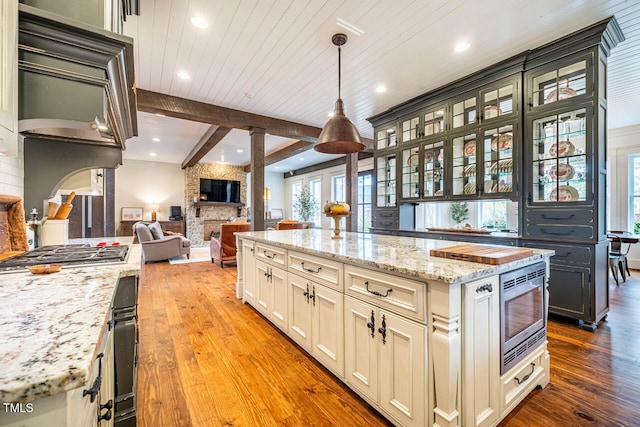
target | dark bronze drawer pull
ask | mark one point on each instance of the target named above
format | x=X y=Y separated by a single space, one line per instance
x=95 y=388
x=311 y=270
x=526 y=377
x=563 y=256
x=383 y=330
x=557 y=233
x=570 y=217
x=267 y=255
x=372 y=325
x=488 y=287
x=366 y=284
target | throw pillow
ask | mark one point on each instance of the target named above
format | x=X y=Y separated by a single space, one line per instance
x=156 y=230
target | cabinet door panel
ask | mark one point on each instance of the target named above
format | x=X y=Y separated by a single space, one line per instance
x=481 y=359
x=265 y=288
x=249 y=272
x=568 y=290
x=328 y=328
x=402 y=370
x=361 y=348
x=299 y=315
x=278 y=313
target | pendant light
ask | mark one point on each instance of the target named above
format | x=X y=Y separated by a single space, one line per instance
x=339 y=135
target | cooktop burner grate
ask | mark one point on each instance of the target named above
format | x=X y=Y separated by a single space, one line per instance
x=77 y=254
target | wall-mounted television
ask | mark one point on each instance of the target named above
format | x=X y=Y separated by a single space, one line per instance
x=219 y=190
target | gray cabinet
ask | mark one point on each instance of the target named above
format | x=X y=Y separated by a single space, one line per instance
x=563 y=202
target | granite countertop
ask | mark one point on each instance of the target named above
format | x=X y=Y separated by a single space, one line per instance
x=408 y=256
x=51 y=325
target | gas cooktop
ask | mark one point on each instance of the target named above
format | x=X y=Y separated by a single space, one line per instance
x=69 y=255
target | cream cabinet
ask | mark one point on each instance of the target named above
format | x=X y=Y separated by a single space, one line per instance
x=385 y=360
x=9 y=77
x=272 y=293
x=481 y=356
x=248 y=266
x=315 y=318
x=87 y=406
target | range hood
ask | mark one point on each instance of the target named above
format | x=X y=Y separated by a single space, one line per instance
x=76 y=81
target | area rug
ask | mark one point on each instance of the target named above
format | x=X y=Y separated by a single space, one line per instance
x=197 y=255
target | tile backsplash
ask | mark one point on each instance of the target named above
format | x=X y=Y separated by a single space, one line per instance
x=12 y=173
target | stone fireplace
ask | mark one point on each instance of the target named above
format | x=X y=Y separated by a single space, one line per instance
x=202 y=220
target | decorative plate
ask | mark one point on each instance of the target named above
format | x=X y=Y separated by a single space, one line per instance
x=428 y=156
x=469 y=148
x=413 y=160
x=561 y=172
x=565 y=92
x=564 y=193
x=562 y=149
x=502 y=142
x=492 y=111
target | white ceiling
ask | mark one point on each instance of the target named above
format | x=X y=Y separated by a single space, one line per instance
x=275 y=58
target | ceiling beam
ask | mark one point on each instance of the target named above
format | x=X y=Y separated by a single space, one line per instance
x=210 y=139
x=331 y=163
x=172 y=106
x=288 y=151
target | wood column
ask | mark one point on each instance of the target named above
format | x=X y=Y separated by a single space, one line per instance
x=257 y=178
x=351 y=190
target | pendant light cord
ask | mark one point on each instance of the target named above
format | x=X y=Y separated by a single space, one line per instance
x=339 y=72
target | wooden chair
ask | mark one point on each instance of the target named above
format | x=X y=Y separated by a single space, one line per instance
x=223 y=247
x=617 y=258
x=289 y=224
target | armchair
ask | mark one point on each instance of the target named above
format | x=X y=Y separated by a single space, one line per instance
x=223 y=247
x=158 y=247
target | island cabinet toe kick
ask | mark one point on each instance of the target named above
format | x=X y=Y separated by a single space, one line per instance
x=422 y=348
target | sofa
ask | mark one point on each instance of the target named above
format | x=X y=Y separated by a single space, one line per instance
x=158 y=246
x=223 y=248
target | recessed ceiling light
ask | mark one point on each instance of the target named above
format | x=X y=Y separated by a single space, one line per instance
x=240 y=150
x=155 y=139
x=248 y=95
x=152 y=154
x=199 y=22
x=277 y=167
x=301 y=158
x=381 y=89
x=462 y=46
x=184 y=75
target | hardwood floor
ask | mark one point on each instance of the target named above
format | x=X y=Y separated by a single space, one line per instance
x=206 y=359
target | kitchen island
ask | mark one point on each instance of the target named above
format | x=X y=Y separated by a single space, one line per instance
x=416 y=336
x=54 y=328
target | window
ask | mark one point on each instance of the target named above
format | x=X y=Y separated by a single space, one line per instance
x=635 y=193
x=493 y=214
x=296 y=189
x=315 y=186
x=364 y=201
x=338 y=188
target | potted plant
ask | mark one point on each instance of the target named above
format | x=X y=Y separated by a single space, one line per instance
x=304 y=206
x=459 y=212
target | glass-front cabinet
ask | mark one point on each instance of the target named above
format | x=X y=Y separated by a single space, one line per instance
x=496 y=100
x=433 y=170
x=464 y=167
x=386 y=136
x=560 y=83
x=386 y=180
x=411 y=173
x=559 y=162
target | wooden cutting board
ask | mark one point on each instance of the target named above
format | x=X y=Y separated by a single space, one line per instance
x=485 y=254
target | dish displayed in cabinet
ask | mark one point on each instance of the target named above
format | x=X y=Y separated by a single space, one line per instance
x=439 y=193
x=413 y=160
x=492 y=111
x=469 y=170
x=502 y=166
x=563 y=171
x=469 y=148
x=560 y=94
x=470 y=188
x=564 y=193
x=562 y=149
x=502 y=142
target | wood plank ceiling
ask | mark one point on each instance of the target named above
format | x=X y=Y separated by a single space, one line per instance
x=275 y=58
